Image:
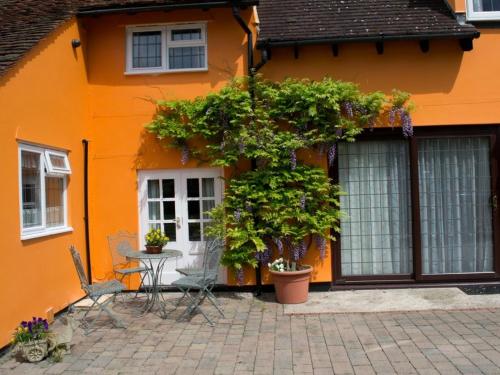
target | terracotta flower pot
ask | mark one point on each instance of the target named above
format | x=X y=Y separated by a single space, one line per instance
x=154 y=249
x=292 y=287
x=34 y=351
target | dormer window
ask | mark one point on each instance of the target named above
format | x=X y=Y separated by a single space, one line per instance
x=166 y=48
x=483 y=10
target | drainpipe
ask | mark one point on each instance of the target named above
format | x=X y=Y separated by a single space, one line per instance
x=85 y=143
x=251 y=74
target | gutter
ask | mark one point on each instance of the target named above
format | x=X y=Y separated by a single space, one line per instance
x=261 y=44
x=85 y=143
x=158 y=7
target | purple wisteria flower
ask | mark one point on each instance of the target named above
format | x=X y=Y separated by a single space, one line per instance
x=392 y=116
x=248 y=207
x=184 y=154
x=237 y=215
x=406 y=123
x=241 y=147
x=264 y=256
x=279 y=245
x=321 y=245
x=348 y=108
x=293 y=159
x=296 y=252
x=331 y=154
x=303 y=202
x=302 y=249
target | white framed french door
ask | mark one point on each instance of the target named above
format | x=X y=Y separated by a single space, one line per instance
x=176 y=201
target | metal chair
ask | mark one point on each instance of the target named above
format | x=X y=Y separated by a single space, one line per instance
x=121 y=265
x=197 y=288
x=95 y=292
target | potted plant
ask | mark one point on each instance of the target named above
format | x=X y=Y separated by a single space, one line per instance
x=31 y=339
x=155 y=240
x=291 y=281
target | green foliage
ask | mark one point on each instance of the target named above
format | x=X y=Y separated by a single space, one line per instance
x=284 y=203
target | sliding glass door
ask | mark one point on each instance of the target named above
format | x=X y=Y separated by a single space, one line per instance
x=455 y=205
x=376 y=235
x=422 y=209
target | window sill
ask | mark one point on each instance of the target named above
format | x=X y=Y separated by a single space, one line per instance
x=46 y=232
x=478 y=17
x=159 y=72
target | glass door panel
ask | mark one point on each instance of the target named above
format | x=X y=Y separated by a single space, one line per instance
x=455 y=205
x=376 y=235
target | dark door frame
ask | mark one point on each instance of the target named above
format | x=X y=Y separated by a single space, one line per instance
x=491 y=131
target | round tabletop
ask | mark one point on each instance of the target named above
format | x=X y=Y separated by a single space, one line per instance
x=166 y=253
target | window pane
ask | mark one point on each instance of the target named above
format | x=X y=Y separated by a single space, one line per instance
x=154 y=210
x=486 y=5
x=207 y=187
x=169 y=210
x=194 y=232
x=193 y=188
x=455 y=208
x=58 y=161
x=146 y=49
x=31 y=185
x=170 y=231
x=153 y=189
x=186 y=34
x=186 y=57
x=168 y=189
x=207 y=206
x=193 y=209
x=376 y=236
x=54 y=200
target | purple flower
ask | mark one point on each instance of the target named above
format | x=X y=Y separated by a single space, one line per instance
x=248 y=207
x=264 y=256
x=392 y=116
x=331 y=154
x=45 y=324
x=302 y=249
x=296 y=252
x=240 y=276
x=24 y=323
x=348 y=109
x=237 y=215
x=241 y=147
x=30 y=327
x=321 y=245
x=279 y=245
x=303 y=202
x=293 y=159
x=406 y=123
x=184 y=154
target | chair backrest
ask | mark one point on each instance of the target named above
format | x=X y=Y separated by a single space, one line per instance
x=119 y=242
x=211 y=259
x=79 y=268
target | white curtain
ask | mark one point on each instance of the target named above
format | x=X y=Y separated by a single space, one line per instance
x=477 y=5
x=376 y=235
x=455 y=209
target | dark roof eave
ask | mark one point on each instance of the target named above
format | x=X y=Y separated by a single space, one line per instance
x=263 y=43
x=160 y=7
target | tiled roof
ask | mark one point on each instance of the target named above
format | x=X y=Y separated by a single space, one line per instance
x=286 y=22
x=23 y=23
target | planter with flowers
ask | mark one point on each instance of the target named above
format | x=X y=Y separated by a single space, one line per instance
x=289 y=131
x=155 y=240
x=31 y=339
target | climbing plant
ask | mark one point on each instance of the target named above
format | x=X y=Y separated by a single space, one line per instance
x=284 y=204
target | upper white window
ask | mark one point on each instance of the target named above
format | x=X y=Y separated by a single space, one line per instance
x=483 y=10
x=166 y=48
x=43 y=180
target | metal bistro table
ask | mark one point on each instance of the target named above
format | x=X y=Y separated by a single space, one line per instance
x=154 y=271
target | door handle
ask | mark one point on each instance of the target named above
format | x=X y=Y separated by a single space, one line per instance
x=178 y=222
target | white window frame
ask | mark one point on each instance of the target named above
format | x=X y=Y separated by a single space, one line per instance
x=51 y=169
x=45 y=171
x=166 y=43
x=473 y=15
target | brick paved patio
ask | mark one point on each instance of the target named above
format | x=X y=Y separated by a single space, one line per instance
x=257 y=338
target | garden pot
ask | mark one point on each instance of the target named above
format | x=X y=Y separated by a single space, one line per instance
x=292 y=287
x=154 y=249
x=34 y=351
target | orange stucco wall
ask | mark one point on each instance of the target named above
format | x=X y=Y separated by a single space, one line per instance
x=457 y=5
x=43 y=100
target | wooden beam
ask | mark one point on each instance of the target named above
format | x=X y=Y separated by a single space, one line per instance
x=424 y=46
x=466 y=44
x=335 y=49
x=380 y=47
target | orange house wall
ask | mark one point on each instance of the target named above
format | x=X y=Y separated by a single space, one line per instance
x=119 y=145
x=43 y=100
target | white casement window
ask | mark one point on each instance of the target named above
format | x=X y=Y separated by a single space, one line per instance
x=166 y=48
x=42 y=191
x=483 y=10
